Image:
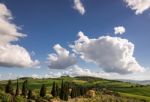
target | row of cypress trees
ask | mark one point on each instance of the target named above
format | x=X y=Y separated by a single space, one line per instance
x=67 y=89
x=25 y=92
x=63 y=92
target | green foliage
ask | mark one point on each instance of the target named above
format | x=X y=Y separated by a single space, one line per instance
x=73 y=93
x=17 y=88
x=30 y=94
x=4 y=97
x=25 y=88
x=43 y=90
x=64 y=91
x=55 y=90
x=20 y=99
x=9 y=88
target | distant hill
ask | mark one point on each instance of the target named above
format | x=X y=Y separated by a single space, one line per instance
x=143 y=82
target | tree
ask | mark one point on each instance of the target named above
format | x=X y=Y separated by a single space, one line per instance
x=66 y=91
x=62 y=91
x=82 y=91
x=30 y=94
x=25 y=88
x=57 y=89
x=43 y=90
x=53 y=92
x=73 y=93
x=17 y=88
x=9 y=88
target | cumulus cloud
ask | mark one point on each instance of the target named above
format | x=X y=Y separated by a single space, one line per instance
x=12 y=55
x=15 y=56
x=35 y=76
x=79 y=7
x=112 y=54
x=72 y=72
x=139 y=6
x=78 y=71
x=119 y=30
x=62 y=59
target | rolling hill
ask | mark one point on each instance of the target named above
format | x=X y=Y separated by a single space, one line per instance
x=123 y=89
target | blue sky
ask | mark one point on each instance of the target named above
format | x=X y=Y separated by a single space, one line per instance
x=51 y=22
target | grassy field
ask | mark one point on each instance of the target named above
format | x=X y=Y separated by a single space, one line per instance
x=125 y=89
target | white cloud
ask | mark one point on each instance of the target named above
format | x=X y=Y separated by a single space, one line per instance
x=119 y=30
x=15 y=56
x=112 y=54
x=139 y=6
x=79 y=7
x=35 y=76
x=12 y=55
x=78 y=71
x=8 y=30
x=72 y=72
x=62 y=59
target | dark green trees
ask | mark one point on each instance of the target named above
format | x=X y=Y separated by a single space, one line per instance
x=25 y=88
x=55 y=90
x=77 y=91
x=82 y=90
x=64 y=91
x=30 y=94
x=43 y=90
x=73 y=93
x=9 y=88
x=17 y=88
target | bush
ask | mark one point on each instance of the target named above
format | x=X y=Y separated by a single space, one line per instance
x=20 y=99
x=5 y=97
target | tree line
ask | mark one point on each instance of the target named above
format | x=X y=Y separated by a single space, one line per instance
x=65 y=90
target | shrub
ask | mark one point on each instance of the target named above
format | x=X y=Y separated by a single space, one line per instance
x=5 y=97
x=20 y=99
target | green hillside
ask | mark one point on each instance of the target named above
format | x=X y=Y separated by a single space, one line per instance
x=103 y=87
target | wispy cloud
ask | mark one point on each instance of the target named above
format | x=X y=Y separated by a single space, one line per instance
x=139 y=6
x=79 y=7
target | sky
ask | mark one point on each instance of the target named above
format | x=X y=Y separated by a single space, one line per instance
x=50 y=38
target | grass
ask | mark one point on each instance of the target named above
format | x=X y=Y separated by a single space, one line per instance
x=135 y=96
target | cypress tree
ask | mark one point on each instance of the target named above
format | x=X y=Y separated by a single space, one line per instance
x=53 y=92
x=30 y=94
x=66 y=91
x=62 y=90
x=9 y=88
x=17 y=88
x=57 y=89
x=82 y=91
x=25 y=88
x=43 y=90
x=73 y=95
